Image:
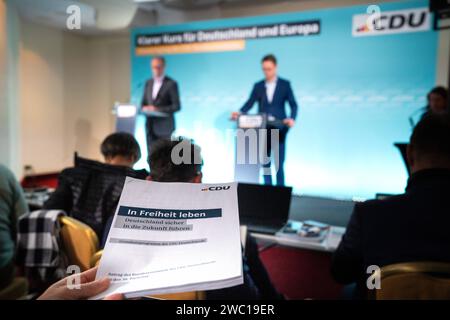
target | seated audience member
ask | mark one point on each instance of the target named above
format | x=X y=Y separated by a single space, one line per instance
x=405 y=228
x=12 y=206
x=437 y=101
x=163 y=169
x=89 y=287
x=90 y=191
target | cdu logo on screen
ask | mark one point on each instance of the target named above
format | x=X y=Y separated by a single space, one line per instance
x=391 y=22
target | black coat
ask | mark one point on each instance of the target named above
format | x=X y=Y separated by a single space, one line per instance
x=90 y=191
x=168 y=101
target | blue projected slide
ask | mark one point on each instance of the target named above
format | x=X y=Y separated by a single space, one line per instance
x=355 y=88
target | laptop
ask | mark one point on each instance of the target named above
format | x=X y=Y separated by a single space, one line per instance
x=262 y=208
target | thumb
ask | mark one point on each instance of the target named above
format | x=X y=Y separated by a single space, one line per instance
x=116 y=296
x=90 y=289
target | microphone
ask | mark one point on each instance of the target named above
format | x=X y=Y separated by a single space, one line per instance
x=411 y=116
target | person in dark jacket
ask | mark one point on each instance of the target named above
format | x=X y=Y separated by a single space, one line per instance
x=161 y=94
x=90 y=190
x=12 y=206
x=271 y=95
x=409 y=227
x=437 y=100
x=437 y=103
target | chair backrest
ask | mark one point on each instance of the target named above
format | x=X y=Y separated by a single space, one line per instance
x=80 y=242
x=95 y=259
x=414 y=281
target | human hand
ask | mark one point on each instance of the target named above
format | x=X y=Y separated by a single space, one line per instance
x=89 y=287
x=235 y=115
x=289 y=122
x=149 y=108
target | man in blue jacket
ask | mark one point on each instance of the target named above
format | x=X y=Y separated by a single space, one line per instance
x=271 y=94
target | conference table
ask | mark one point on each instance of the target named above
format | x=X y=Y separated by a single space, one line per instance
x=328 y=244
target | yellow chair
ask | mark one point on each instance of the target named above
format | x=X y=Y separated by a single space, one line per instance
x=80 y=242
x=95 y=260
x=413 y=281
x=194 y=295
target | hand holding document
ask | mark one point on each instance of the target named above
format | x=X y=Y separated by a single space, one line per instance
x=173 y=237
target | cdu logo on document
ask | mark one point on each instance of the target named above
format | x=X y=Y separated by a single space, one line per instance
x=218 y=188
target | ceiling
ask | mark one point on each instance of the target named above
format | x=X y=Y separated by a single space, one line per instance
x=100 y=17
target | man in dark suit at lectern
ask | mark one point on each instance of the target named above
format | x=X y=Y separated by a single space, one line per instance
x=272 y=94
x=160 y=101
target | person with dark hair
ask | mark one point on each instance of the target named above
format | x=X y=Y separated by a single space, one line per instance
x=409 y=227
x=120 y=149
x=90 y=191
x=160 y=95
x=272 y=94
x=437 y=100
x=163 y=168
x=437 y=103
x=270 y=58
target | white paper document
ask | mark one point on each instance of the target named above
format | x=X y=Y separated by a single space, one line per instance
x=173 y=237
